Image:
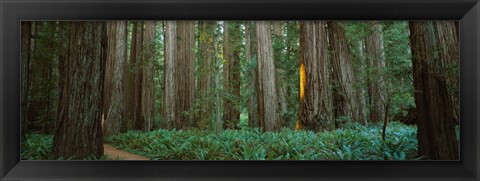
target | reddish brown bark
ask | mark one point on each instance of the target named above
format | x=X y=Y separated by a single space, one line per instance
x=315 y=104
x=375 y=65
x=345 y=101
x=114 y=103
x=252 y=101
x=78 y=129
x=433 y=45
x=268 y=117
x=184 y=74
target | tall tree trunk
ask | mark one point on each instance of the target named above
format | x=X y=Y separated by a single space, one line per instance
x=267 y=95
x=235 y=69
x=169 y=77
x=362 y=82
x=25 y=52
x=231 y=74
x=129 y=86
x=78 y=130
x=218 y=100
x=433 y=45
x=147 y=96
x=31 y=110
x=315 y=104
x=252 y=103
x=114 y=108
x=227 y=107
x=138 y=63
x=344 y=96
x=375 y=64
x=207 y=29
x=281 y=83
x=450 y=46
x=50 y=67
x=292 y=40
x=40 y=80
x=184 y=78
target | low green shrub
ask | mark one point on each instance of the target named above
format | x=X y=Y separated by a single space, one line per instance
x=353 y=142
x=36 y=147
x=39 y=147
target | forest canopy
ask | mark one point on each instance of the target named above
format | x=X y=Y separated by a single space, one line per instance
x=240 y=90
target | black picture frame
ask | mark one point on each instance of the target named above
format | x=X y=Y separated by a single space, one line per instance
x=13 y=11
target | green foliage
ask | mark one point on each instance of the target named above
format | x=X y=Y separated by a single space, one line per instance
x=39 y=147
x=40 y=101
x=36 y=147
x=398 y=70
x=399 y=65
x=352 y=142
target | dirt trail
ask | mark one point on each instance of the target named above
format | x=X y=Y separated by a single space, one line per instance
x=116 y=154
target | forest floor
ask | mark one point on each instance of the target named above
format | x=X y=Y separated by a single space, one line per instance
x=116 y=154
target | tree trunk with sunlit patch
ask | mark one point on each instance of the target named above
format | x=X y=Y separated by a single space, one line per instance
x=315 y=96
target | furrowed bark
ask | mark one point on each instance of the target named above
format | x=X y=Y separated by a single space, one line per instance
x=78 y=129
x=315 y=104
x=268 y=108
x=430 y=57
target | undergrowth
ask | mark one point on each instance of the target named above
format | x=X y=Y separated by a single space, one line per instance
x=352 y=142
x=39 y=147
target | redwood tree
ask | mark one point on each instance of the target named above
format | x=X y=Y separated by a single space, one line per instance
x=114 y=103
x=375 y=64
x=184 y=74
x=147 y=93
x=345 y=101
x=137 y=63
x=231 y=74
x=315 y=104
x=78 y=128
x=252 y=85
x=280 y=73
x=433 y=45
x=268 y=115
x=206 y=48
x=169 y=75
x=25 y=52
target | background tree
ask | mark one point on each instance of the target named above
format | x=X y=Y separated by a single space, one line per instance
x=252 y=82
x=231 y=74
x=375 y=66
x=26 y=34
x=207 y=55
x=344 y=96
x=39 y=91
x=291 y=73
x=278 y=51
x=268 y=116
x=114 y=103
x=147 y=95
x=130 y=76
x=169 y=78
x=227 y=106
x=431 y=56
x=315 y=104
x=184 y=74
x=218 y=86
x=78 y=129
x=136 y=56
x=398 y=76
